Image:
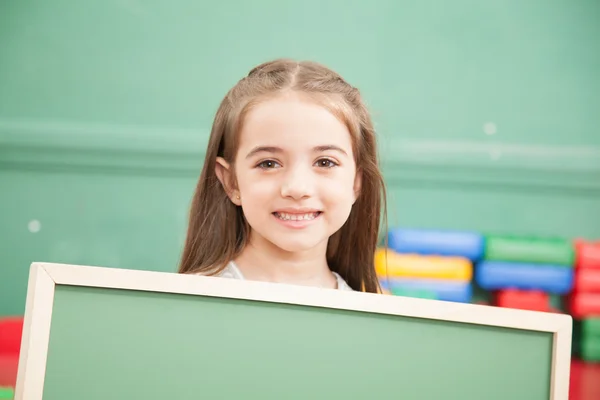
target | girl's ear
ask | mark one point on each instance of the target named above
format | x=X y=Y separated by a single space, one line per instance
x=357 y=185
x=224 y=174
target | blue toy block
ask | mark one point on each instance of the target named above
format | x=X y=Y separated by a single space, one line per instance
x=496 y=275
x=437 y=242
x=444 y=290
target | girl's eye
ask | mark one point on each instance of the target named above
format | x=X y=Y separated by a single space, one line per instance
x=267 y=164
x=326 y=163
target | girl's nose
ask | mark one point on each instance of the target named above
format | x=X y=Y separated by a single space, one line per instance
x=297 y=185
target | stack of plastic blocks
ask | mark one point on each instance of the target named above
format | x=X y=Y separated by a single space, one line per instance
x=431 y=264
x=584 y=302
x=524 y=272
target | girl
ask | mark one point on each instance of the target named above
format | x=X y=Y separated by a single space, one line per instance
x=291 y=190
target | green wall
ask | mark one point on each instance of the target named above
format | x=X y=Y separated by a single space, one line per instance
x=487 y=114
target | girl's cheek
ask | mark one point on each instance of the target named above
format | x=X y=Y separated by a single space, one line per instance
x=258 y=187
x=341 y=183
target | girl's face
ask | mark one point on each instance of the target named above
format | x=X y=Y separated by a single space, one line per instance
x=295 y=172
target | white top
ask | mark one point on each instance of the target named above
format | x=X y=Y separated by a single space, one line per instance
x=232 y=271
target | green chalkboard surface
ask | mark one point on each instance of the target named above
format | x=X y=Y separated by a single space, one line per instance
x=97 y=333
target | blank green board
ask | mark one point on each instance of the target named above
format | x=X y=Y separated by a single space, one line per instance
x=178 y=346
x=125 y=344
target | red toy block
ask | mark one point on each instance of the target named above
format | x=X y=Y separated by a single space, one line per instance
x=585 y=305
x=585 y=381
x=10 y=335
x=587 y=254
x=9 y=365
x=587 y=280
x=533 y=300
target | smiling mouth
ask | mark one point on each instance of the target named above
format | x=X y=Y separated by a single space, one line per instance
x=297 y=217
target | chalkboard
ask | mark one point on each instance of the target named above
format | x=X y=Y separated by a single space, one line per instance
x=97 y=333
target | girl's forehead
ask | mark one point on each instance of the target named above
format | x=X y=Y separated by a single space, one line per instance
x=292 y=121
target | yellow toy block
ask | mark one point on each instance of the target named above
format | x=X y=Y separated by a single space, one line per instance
x=422 y=266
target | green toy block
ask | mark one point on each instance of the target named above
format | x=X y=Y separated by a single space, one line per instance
x=7 y=393
x=421 y=294
x=590 y=349
x=529 y=249
x=590 y=327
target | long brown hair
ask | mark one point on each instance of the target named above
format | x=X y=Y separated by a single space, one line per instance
x=217 y=230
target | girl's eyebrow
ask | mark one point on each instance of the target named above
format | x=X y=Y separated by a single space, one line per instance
x=273 y=149
x=320 y=149
x=264 y=149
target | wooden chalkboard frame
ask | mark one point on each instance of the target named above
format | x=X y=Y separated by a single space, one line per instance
x=44 y=277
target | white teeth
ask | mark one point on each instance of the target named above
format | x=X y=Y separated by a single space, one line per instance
x=297 y=217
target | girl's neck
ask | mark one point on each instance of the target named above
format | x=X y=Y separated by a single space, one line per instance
x=262 y=261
